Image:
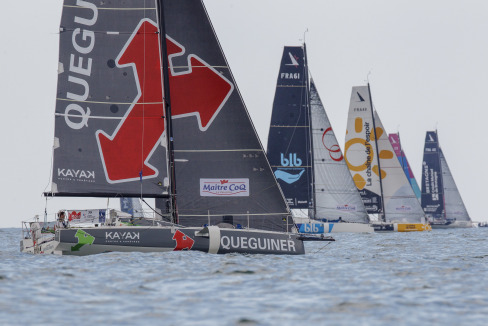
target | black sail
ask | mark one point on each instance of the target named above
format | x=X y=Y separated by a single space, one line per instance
x=289 y=139
x=432 y=198
x=109 y=119
x=222 y=173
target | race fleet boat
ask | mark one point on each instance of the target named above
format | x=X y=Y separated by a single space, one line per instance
x=305 y=156
x=377 y=173
x=441 y=200
x=147 y=107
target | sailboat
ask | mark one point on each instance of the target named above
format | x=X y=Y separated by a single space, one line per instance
x=441 y=200
x=306 y=158
x=147 y=107
x=369 y=155
x=402 y=158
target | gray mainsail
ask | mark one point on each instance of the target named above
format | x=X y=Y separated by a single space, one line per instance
x=336 y=195
x=109 y=119
x=454 y=205
x=222 y=173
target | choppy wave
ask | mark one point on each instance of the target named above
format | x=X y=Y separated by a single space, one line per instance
x=432 y=278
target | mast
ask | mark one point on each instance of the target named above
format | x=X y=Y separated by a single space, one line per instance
x=167 y=106
x=383 y=213
x=310 y=136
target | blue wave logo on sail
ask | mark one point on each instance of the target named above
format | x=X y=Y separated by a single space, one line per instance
x=288 y=177
x=291 y=161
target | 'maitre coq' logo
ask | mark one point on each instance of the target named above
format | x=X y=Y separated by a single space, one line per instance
x=224 y=187
x=199 y=92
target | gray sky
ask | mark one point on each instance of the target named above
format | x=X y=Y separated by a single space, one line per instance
x=428 y=62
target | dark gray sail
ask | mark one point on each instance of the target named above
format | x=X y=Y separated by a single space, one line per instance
x=109 y=120
x=222 y=173
x=289 y=139
x=432 y=199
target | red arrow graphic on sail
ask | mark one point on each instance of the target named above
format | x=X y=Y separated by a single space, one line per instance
x=209 y=89
x=200 y=91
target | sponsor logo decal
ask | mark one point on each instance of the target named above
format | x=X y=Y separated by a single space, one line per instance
x=224 y=187
x=403 y=208
x=293 y=59
x=83 y=239
x=233 y=242
x=183 y=242
x=360 y=98
x=289 y=164
x=76 y=175
x=313 y=228
x=347 y=208
x=198 y=92
x=122 y=237
x=334 y=149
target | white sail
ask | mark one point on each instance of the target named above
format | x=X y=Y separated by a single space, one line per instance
x=401 y=204
x=336 y=195
x=369 y=154
x=360 y=150
x=454 y=204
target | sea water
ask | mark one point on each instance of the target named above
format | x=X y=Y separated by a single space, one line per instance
x=421 y=278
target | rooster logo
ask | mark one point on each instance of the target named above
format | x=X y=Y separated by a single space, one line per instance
x=183 y=242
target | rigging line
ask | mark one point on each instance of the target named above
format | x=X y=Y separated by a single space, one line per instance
x=101 y=8
x=99 y=102
x=319 y=250
x=143 y=107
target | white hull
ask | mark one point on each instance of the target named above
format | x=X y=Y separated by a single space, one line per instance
x=306 y=225
x=454 y=225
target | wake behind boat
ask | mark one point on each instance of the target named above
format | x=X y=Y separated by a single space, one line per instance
x=147 y=107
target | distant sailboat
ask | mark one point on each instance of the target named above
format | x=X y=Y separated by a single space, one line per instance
x=369 y=155
x=152 y=104
x=441 y=200
x=397 y=147
x=306 y=158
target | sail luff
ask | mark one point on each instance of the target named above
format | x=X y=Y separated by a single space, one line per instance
x=167 y=105
x=383 y=212
x=313 y=205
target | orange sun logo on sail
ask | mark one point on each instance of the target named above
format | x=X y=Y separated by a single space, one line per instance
x=362 y=165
